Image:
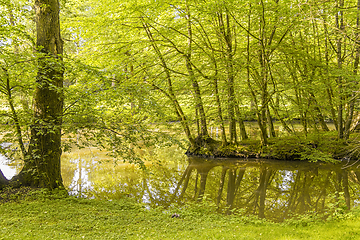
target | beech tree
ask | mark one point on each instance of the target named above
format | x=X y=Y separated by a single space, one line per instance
x=42 y=157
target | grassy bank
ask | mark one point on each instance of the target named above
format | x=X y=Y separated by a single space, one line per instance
x=53 y=217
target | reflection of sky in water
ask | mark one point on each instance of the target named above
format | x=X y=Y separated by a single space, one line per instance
x=8 y=171
x=146 y=197
x=287 y=178
x=80 y=182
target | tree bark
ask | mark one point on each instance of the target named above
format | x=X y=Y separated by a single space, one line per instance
x=196 y=88
x=3 y=180
x=270 y=123
x=226 y=36
x=243 y=134
x=339 y=18
x=353 y=95
x=42 y=163
x=219 y=111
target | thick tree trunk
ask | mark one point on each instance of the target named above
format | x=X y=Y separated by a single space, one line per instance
x=42 y=163
x=3 y=180
x=231 y=105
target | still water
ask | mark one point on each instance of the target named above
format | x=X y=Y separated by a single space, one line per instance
x=271 y=189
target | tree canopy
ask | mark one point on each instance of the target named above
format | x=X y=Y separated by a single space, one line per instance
x=134 y=74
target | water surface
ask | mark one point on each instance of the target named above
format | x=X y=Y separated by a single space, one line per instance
x=270 y=189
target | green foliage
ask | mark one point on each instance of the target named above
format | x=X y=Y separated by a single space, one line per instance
x=315 y=147
x=286 y=148
x=304 y=220
x=131 y=68
x=314 y=155
x=10 y=194
x=244 y=149
x=142 y=48
x=338 y=209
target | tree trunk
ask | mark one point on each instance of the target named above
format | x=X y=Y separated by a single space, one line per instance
x=3 y=180
x=14 y=113
x=318 y=113
x=199 y=107
x=196 y=88
x=353 y=96
x=228 y=37
x=219 y=110
x=260 y=114
x=326 y=78
x=170 y=94
x=42 y=163
x=284 y=124
x=243 y=134
x=340 y=26
x=270 y=123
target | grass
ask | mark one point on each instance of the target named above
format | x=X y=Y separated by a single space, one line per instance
x=44 y=216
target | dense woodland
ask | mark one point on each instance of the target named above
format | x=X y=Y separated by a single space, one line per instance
x=122 y=75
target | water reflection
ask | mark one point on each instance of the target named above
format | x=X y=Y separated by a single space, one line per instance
x=8 y=168
x=80 y=178
x=271 y=189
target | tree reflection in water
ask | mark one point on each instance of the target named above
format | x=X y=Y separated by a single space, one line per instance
x=269 y=189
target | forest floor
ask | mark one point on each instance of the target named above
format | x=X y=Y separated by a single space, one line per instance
x=40 y=215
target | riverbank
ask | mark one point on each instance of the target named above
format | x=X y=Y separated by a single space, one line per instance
x=321 y=146
x=44 y=216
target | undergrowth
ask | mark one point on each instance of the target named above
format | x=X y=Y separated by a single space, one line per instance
x=315 y=147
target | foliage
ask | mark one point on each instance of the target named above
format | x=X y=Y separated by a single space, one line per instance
x=184 y=56
x=315 y=147
x=147 y=74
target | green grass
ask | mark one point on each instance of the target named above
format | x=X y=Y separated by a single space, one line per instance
x=44 y=217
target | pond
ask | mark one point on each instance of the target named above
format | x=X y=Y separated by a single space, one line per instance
x=270 y=189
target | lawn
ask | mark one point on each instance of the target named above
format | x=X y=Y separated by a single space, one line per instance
x=44 y=216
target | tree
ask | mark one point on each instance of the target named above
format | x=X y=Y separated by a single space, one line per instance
x=209 y=58
x=214 y=63
x=42 y=158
